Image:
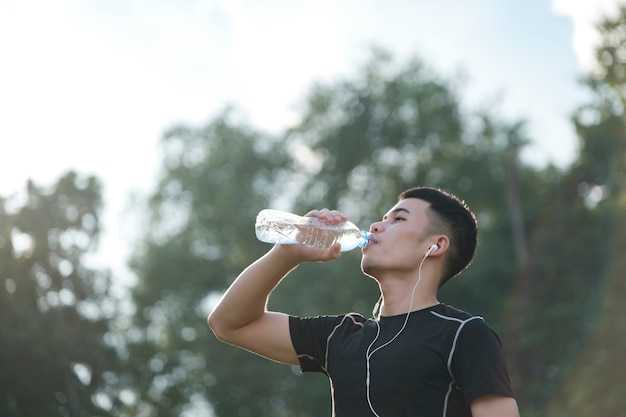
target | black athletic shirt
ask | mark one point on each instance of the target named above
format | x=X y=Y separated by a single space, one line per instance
x=442 y=360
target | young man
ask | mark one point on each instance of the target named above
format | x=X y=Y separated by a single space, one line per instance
x=418 y=357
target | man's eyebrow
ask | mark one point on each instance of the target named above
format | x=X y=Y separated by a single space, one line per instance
x=396 y=210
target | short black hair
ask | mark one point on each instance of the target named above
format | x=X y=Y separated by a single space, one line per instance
x=451 y=216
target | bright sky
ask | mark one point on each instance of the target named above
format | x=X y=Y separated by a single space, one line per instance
x=91 y=85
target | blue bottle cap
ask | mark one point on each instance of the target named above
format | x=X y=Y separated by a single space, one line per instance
x=365 y=238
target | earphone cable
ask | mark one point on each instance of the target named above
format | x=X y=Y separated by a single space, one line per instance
x=369 y=354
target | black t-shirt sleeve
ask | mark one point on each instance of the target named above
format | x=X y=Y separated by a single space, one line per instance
x=478 y=364
x=309 y=336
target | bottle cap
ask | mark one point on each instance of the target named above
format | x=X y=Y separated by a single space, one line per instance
x=366 y=236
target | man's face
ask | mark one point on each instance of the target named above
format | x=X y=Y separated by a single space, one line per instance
x=398 y=241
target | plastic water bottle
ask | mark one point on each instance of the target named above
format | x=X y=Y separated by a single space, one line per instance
x=273 y=226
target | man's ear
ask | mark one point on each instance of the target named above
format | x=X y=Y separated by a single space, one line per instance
x=439 y=246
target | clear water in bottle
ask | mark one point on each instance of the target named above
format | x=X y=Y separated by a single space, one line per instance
x=273 y=226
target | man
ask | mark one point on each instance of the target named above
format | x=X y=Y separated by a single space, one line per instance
x=418 y=357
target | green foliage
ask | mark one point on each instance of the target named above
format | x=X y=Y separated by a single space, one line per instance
x=215 y=180
x=409 y=131
x=593 y=384
x=53 y=309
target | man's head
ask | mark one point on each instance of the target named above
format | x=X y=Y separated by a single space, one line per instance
x=450 y=216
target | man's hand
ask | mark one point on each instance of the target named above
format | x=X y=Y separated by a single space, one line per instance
x=302 y=253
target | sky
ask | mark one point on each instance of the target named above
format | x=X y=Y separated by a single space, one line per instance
x=91 y=85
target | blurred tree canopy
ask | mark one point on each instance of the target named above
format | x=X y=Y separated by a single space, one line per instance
x=548 y=274
x=54 y=311
x=595 y=381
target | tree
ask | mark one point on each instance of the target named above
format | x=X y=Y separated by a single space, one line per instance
x=53 y=308
x=359 y=141
x=594 y=383
x=200 y=236
x=397 y=127
x=393 y=128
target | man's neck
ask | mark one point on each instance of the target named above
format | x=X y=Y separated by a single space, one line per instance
x=406 y=295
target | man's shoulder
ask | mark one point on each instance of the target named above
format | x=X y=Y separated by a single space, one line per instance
x=449 y=312
x=470 y=325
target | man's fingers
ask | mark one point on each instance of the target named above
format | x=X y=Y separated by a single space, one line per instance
x=328 y=216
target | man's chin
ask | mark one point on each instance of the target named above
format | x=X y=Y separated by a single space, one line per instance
x=368 y=269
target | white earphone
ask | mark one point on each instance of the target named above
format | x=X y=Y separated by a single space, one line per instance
x=432 y=248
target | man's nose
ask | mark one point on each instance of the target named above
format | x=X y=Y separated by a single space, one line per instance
x=376 y=227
